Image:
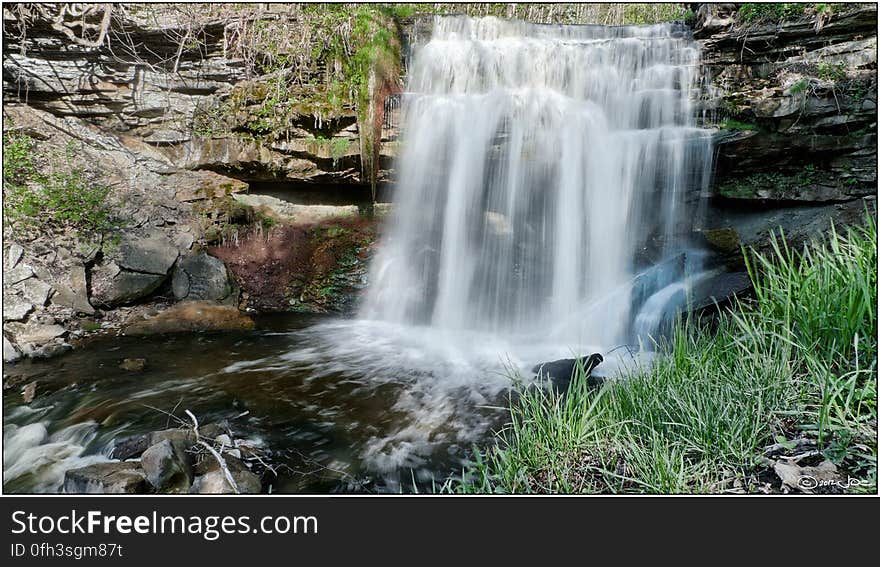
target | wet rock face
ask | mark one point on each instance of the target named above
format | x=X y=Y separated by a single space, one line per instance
x=561 y=372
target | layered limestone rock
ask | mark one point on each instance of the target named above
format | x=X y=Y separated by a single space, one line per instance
x=197 y=104
x=796 y=103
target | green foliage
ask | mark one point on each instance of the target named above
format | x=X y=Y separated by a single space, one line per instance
x=770 y=12
x=833 y=72
x=51 y=196
x=337 y=147
x=798 y=363
x=799 y=86
x=18 y=158
x=731 y=124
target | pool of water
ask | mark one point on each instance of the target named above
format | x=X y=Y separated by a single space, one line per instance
x=340 y=405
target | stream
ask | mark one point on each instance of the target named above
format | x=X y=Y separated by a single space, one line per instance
x=338 y=405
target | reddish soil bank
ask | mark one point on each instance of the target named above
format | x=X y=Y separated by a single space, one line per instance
x=313 y=267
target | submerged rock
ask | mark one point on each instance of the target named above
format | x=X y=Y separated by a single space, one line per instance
x=106 y=478
x=133 y=364
x=53 y=348
x=560 y=372
x=192 y=316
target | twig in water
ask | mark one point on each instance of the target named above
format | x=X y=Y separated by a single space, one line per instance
x=220 y=460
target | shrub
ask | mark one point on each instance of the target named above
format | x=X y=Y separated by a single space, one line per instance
x=51 y=196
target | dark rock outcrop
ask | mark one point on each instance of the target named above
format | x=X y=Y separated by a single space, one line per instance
x=562 y=372
x=201 y=276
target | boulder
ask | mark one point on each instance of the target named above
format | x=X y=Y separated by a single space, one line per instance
x=191 y=316
x=10 y=353
x=17 y=274
x=16 y=308
x=106 y=478
x=13 y=255
x=211 y=479
x=34 y=333
x=560 y=372
x=112 y=286
x=153 y=253
x=36 y=291
x=73 y=291
x=135 y=445
x=167 y=467
x=184 y=438
x=130 y=447
x=201 y=277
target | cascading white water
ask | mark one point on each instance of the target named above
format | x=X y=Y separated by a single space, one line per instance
x=538 y=163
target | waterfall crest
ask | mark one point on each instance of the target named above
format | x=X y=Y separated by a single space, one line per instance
x=543 y=167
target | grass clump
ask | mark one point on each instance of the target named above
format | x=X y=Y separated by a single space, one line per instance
x=796 y=366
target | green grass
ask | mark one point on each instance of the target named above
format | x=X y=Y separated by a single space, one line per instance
x=799 y=86
x=798 y=362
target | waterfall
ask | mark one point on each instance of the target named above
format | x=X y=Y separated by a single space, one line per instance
x=542 y=168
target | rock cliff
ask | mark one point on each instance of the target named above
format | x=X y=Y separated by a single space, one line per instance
x=796 y=104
